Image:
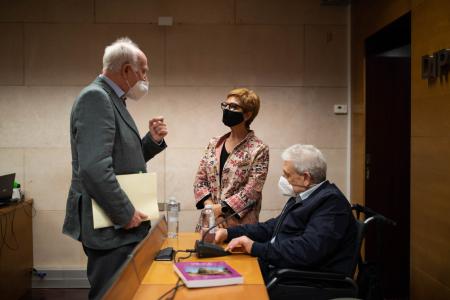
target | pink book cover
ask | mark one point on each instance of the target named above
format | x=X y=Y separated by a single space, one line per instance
x=202 y=274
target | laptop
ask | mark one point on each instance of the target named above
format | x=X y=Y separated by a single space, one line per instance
x=6 y=187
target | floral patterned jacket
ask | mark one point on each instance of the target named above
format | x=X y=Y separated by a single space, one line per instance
x=243 y=176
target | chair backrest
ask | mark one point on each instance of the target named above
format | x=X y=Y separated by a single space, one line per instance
x=361 y=229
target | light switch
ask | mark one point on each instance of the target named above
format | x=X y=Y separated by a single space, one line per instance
x=165 y=21
x=340 y=109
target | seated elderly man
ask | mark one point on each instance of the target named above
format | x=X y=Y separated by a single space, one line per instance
x=316 y=229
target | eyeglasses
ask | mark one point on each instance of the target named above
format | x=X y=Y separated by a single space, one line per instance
x=230 y=106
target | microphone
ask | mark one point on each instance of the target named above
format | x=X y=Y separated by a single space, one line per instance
x=205 y=249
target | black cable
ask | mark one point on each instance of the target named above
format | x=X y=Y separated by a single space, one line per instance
x=177 y=284
x=184 y=257
x=9 y=218
x=6 y=218
x=190 y=251
x=33 y=211
x=2 y=233
x=13 y=234
x=174 y=290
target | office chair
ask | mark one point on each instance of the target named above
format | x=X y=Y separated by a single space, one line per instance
x=292 y=284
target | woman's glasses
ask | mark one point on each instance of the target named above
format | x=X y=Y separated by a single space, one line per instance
x=230 y=106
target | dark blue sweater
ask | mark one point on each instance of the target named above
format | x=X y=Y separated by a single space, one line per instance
x=318 y=233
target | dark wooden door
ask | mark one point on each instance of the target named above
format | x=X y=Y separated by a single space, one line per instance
x=387 y=184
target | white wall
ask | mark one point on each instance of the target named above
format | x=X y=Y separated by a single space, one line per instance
x=292 y=53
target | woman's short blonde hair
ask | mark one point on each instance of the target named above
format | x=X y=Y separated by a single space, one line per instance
x=248 y=100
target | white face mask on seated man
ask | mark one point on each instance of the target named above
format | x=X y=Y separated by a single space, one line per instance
x=286 y=188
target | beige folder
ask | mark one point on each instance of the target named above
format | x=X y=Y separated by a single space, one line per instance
x=140 y=189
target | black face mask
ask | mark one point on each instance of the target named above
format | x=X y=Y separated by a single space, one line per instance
x=231 y=118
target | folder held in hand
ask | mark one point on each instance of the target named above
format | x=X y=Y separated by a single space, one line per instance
x=140 y=189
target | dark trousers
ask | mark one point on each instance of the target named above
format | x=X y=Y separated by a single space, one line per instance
x=102 y=265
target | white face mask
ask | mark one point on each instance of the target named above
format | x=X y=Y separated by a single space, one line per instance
x=285 y=187
x=139 y=90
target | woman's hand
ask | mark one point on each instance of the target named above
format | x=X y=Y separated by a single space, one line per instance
x=208 y=202
x=217 y=208
x=220 y=219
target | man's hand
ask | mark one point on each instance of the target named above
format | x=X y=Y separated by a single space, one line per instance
x=240 y=242
x=221 y=236
x=136 y=220
x=157 y=128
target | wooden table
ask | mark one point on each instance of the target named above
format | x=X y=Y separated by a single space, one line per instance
x=161 y=277
x=141 y=277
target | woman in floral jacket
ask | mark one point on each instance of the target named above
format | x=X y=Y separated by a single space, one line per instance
x=234 y=167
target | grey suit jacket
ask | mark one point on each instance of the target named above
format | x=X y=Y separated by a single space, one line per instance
x=105 y=142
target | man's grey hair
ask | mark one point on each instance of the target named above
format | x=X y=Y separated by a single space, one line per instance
x=307 y=158
x=121 y=52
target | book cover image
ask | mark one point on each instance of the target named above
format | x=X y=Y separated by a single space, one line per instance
x=200 y=274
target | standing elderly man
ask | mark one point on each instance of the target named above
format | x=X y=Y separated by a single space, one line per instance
x=105 y=142
x=316 y=229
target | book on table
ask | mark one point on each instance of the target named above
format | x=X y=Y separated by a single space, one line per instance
x=206 y=274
